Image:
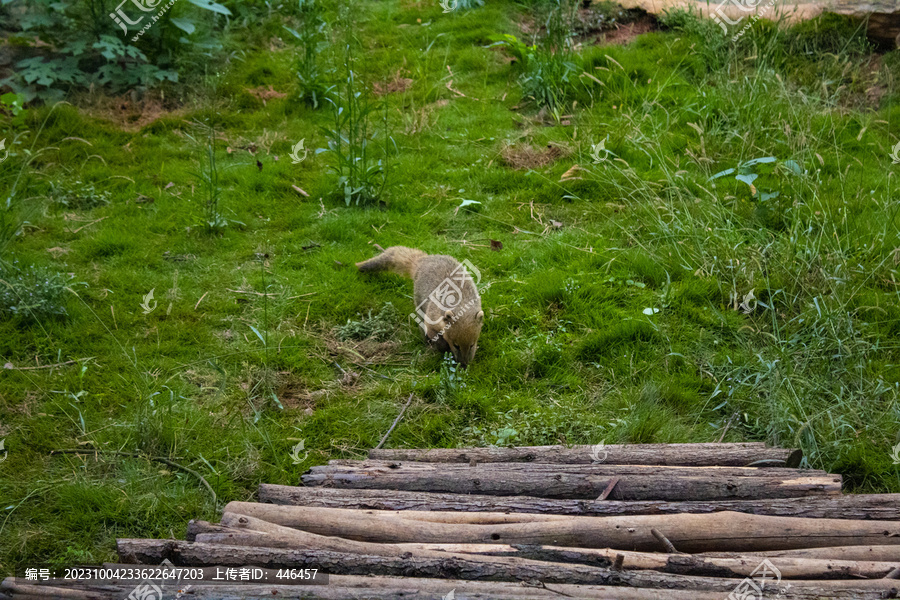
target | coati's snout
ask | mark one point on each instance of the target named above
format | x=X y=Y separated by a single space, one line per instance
x=464 y=341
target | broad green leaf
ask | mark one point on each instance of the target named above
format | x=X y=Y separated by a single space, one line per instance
x=213 y=6
x=794 y=167
x=759 y=161
x=721 y=174
x=748 y=179
x=185 y=25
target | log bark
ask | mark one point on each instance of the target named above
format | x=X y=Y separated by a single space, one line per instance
x=873 y=553
x=882 y=507
x=337 y=563
x=689 y=455
x=722 y=531
x=736 y=565
x=249 y=531
x=342 y=587
x=195 y=526
x=577 y=481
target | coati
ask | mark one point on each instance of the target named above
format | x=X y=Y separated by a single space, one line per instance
x=448 y=307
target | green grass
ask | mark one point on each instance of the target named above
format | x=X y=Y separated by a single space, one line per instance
x=224 y=379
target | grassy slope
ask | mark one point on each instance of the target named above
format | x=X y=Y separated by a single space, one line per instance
x=567 y=354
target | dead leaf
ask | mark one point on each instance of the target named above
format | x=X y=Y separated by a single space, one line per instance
x=496 y=246
x=300 y=191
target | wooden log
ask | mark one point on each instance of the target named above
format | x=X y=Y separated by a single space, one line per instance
x=243 y=530
x=337 y=563
x=636 y=482
x=249 y=531
x=425 y=584
x=196 y=526
x=722 y=531
x=873 y=553
x=737 y=565
x=882 y=507
x=593 y=469
x=342 y=587
x=688 y=455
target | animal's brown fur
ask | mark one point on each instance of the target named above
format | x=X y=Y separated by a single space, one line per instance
x=448 y=306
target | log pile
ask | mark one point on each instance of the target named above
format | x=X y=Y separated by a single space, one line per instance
x=685 y=521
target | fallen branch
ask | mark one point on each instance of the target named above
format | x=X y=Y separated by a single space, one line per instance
x=394 y=424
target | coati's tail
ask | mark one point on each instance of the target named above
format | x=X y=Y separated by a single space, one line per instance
x=397 y=259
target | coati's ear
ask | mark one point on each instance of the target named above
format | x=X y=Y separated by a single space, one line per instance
x=448 y=316
x=480 y=316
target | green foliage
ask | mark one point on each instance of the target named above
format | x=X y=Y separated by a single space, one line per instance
x=79 y=47
x=452 y=379
x=77 y=194
x=355 y=158
x=32 y=293
x=770 y=212
x=380 y=327
x=550 y=72
x=312 y=35
x=213 y=220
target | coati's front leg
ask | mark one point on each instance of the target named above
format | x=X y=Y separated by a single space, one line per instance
x=437 y=342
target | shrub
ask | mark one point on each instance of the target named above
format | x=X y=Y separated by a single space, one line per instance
x=31 y=292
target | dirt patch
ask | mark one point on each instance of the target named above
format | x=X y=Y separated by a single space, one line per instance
x=525 y=156
x=265 y=94
x=396 y=84
x=294 y=395
x=366 y=352
x=128 y=111
x=624 y=33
